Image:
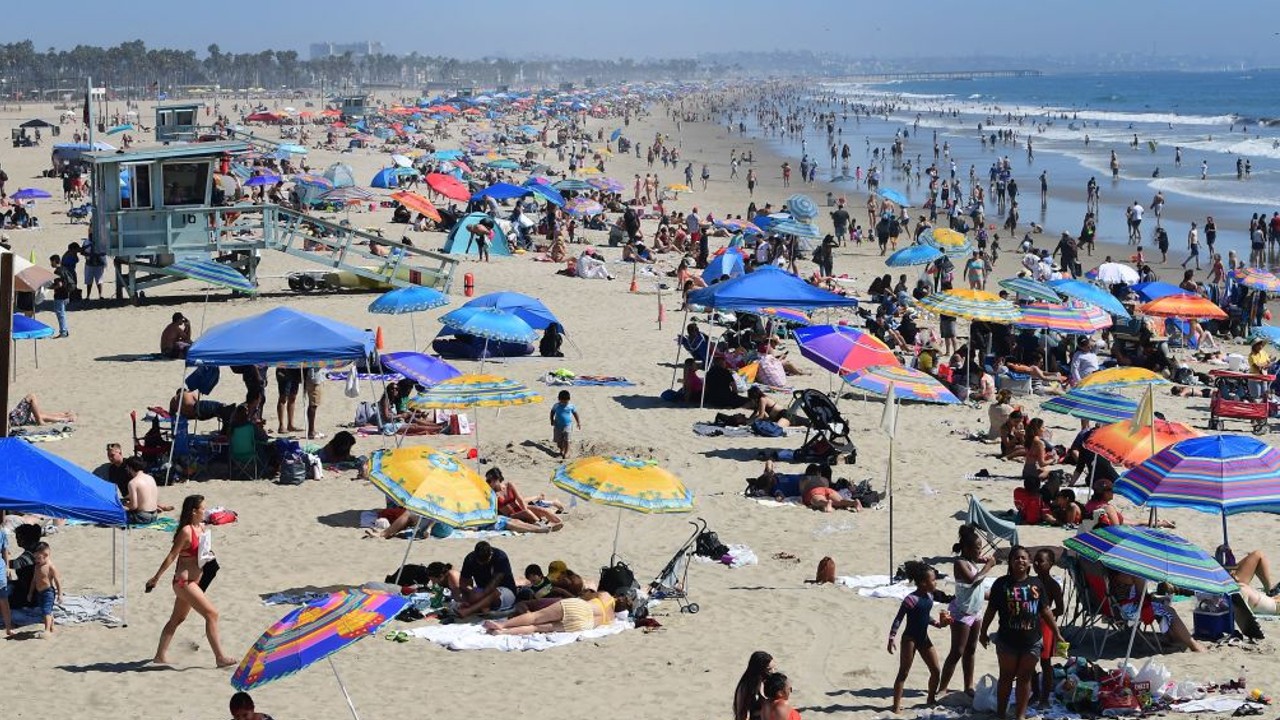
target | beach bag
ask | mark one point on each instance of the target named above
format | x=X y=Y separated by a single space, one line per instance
x=617 y=580
x=708 y=545
x=984 y=695
x=767 y=428
x=293 y=463
x=826 y=571
x=366 y=414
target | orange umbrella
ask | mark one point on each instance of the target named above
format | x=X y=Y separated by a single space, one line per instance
x=1185 y=307
x=416 y=203
x=1118 y=443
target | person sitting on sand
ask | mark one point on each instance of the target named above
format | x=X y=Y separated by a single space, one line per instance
x=1066 y=509
x=1127 y=594
x=595 y=609
x=1012 y=437
x=998 y=413
x=1099 y=507
x=28 y=412
x=720 y=387
x=816 y=490
x=690 y=382
x=1036 y=456
x=142 y=502
x=513 y=506
x=763 y=407
x=175 y=339
x=487 y=583
x=393 y=408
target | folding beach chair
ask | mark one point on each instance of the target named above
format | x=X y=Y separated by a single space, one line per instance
x=1094 y=608
x=991 y=529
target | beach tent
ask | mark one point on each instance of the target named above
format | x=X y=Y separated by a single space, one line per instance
x=280 y=336
x=456 y=241
x=768 y=286
x=341 y=175
x=36 y=481
x=389 y=178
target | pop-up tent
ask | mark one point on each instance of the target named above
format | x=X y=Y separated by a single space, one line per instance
x=456 y=242
x=280 y=336
x=35 y=481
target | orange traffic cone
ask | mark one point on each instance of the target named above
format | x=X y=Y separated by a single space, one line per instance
x=662 y=313
x=377 y=339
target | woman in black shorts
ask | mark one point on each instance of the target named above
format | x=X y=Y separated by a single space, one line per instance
x=1022 y=603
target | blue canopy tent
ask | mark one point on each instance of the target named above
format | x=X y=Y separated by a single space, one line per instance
x=455 y=242
x=281 y=336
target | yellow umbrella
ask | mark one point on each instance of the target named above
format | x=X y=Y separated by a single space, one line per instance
x=1118 y=377
x=430 y=483
x=679 y=187
x=589 y=171
x=639 y=485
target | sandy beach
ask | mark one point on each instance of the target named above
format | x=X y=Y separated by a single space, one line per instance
x=828 y=639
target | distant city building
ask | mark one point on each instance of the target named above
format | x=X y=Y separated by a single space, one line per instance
x=322 y=50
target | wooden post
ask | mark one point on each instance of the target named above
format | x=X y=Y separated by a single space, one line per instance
x=6 y=330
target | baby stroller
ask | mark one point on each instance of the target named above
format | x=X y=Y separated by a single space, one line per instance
x=673 y=581
x=827 y=435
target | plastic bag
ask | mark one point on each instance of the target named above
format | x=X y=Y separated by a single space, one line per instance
x=1153 y=673
x=984 y=695
x=352 y=389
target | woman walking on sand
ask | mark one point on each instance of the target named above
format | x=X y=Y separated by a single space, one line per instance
x=191 y=548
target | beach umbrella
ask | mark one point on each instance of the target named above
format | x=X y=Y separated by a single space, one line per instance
x=212 y=273
x=30 y=194
x=907 y=383
x=1097 y=318
x=1220 y=474
x=448 y=186
x=25 y=328
x=119 y=128
x=416 y=203
x=546 y=192
x=573 y=185
x=503 y=164
x=607 y=184
x=28 y=277
x=1270 y=333
x=739 y=226
x=894 y=196
x=257 y=180
x=401 y=160
x=790 y=316
x=474 y=391
x=973 y=305
x=589 y=171
x=1118 y=377
x=790 y=226
x=527 y=308
x=1257 y=279
x=1185 y=307
x=422 y=369
x=625 y=483
x=583 y=206
x=1062 y=318
x=347 y=195
x=1092 y=294
x=1030 y=288
x=406 y=300
x=802 y=208
x=842 y=349
x=490 y=323
x=947 y=240
x=316 y=181
x=913 y=255
x=1097 y=406
x=1124 y=445
x=1112 y=273
x=1155 y=290
x=617 y=133
x=314 y=632
x=433 y=485
x=679 y=188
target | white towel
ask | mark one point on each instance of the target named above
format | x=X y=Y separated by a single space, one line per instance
x=1214 y=705
x=876 y=586
x=738 y=556
x=469 y=636
x=785 y=502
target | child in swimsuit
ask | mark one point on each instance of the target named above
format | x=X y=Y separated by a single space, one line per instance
x=917 y=609
x=46 y=584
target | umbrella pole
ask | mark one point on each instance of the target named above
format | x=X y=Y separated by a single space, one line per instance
x=1224 y=528
x=124 y=606
x=1133 y=634
x=706 y=366
x=345 y=695
x=413 y=330
x=890 y=494
x=617 y=530
x=35 y=352
x=417 y=527
x=675 y=368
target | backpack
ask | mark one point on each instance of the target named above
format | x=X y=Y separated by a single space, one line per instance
x=708 y=545
x=617 y=580
x=367 y=414
x=767 y=428
x=293 y=463
x=826 y=571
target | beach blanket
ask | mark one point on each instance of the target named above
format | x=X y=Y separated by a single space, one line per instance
x=738 y=556
x=712 y=430
x=74 y=610
x=876 y=586
x=588 y=380
x=369 y=517
x=342 y=375
x=41 y=434
x=1217 y=705
x=795 y=501
x=162 y=523
x=461 y=636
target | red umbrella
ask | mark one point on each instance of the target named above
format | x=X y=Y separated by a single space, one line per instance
x=449 y=186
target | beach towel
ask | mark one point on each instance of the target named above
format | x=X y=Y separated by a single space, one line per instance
x=712 y=430
x=74 y=610
x=162 y=523
x=1217 y=705
x=473 y=637
x=588 y=380
x=795 y=501
x=342 y=375
x=876 y=586
x=368 y=518
x=738 y=556
x=41 y=434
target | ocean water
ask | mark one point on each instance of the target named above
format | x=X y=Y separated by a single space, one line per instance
x=1214 y=117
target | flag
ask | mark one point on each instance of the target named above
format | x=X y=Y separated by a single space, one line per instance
x=1144 y=416
x=889 y=420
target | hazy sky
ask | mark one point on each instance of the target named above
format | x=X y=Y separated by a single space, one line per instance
x=666 y=28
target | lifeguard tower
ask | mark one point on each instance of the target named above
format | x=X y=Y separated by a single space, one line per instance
x=155 y=206
x=354 y=107
x=178 y=122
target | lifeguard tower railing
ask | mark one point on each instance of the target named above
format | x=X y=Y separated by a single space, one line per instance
x=236 y=235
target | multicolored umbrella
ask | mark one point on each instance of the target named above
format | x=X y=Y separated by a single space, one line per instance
x=490 y=323
x=416 y=203
x=583 y=206
x=469 y=391
x=1118 y=377
x=607 y=184
x=1102 y=407
x=314 y=632
x=213 y=273
x=973 y=305
x=639 y=485
x=1034 y=289
x=1097 y=318
x=1092 y=294
x=791 y=226
x=1184 y=307
x=1054 y=316
x=434 y=485
x=947 y=240
x=1220 y=474
x=1155 y=555
x=317 y=181
x=347 y=195
x=842 y=349
x=739 y=226
x=908 y=383
x=448 y=186
x=257 y=180
x=802 y=208
x=422 y=369
x=1122 y=445
x=913 y=255
x=790 y=316
x=1258 y=279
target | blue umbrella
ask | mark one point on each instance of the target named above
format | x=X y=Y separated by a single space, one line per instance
x=894 y=196
x=913 y=255
x=422 y=369
x=615 y=134
x=1155 y=290
x=574 y=185
x=1269 y=333
x=802 y=208
x=1091 y=294
x=546 y=192
x=489 y=323
x=414 y=298
x=30 y=194
x=503 y=164
x=527 y=308
x=447 y=154
x=789 y=226
x=502 y=191
x=25 y=328
x=727 y=263
x=257 y=180
x=1028 y=287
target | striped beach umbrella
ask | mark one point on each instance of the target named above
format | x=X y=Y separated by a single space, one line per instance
x=947 y=240
x=573 y=185
x=607 y=184
x=1118 y=377
x=913 y=255
x=1033 y=289
x=1092 y=294
x=1257 y=279
x=972 y=305
x=468 y=391
x=583 y=207
x=790 y=316
x=1102 y=407
x=1055 y=316
x=624 y=482
x=1155 y=555
x=908 y=383
x=1097 y=318
x=1120 y=443
x=217 y=274
x=791 y=226
x=422 y=369
x=1220 y=474
x=842 y=349
x=802 y=208
x=347 y=195
x=1184 y=307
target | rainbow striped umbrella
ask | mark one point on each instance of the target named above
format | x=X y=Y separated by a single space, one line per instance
x=973 y=305
x=1221 y=474
x=1102 y=407
x=431 y=484
x=1118 y=377
x=1027 y=287
x=947 y=240
x=1054 y=316
x=467 y=391
x=842 y=349
x=582 y=206
x=1119 y=443
x=1154 y=555
x=314 y=632
x=624 y=482
x=607 y=184
x=1258 y=279
x=908 y=383
x=790 y=316
x=1185 y=307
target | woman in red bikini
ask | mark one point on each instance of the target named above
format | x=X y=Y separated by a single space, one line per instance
x=187 y=595
x=512 y=504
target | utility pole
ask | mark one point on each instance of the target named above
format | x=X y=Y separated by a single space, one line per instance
x=6 y=331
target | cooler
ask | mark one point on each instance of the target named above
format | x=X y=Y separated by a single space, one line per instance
x=1212 y=619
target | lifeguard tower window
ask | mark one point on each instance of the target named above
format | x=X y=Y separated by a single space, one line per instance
x=186 y=183
x=135 y=190
x=170 y=118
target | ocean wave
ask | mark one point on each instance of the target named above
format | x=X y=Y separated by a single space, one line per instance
x=1219 y=190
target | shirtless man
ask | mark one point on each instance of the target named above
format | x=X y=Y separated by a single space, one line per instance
x=176 y=337
x=193 y=407
x=143 y=501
